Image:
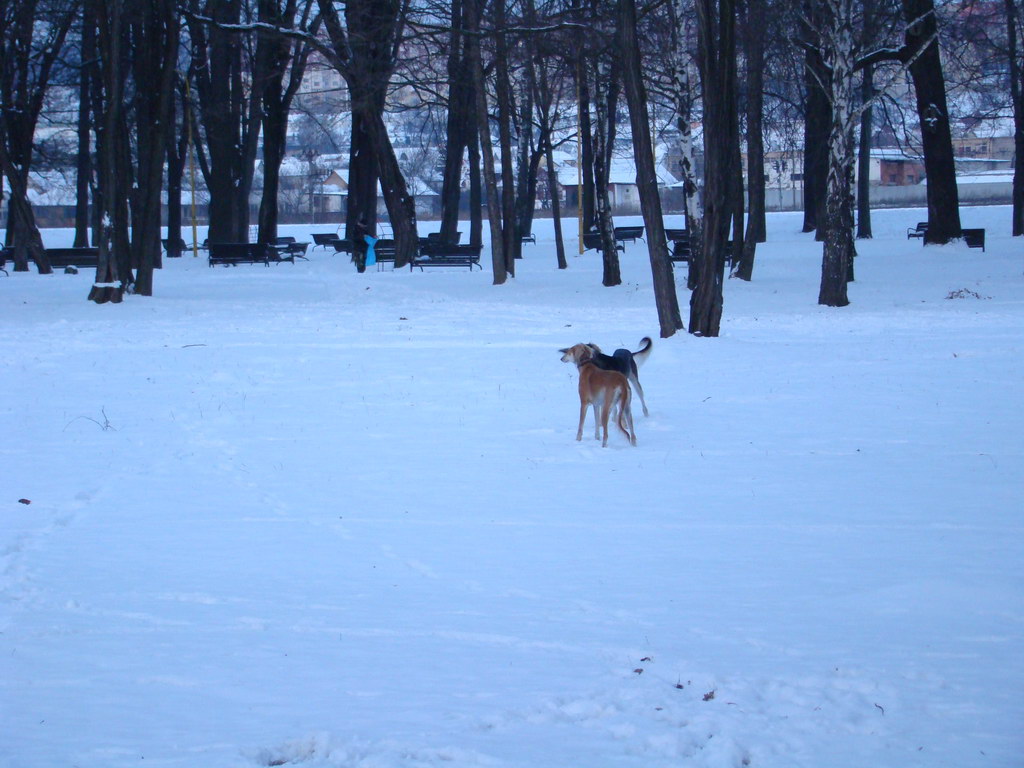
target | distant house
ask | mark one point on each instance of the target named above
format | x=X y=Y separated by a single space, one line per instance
x=623 y=193
x=891 y=167
x=332 y=193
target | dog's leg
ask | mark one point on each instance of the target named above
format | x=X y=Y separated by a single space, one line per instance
x=597 y=420
x=583 y=416
x=625 y=416
x=634 y=379
x=606 y=407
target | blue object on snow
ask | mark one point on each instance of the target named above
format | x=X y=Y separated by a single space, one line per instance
x=371 y=255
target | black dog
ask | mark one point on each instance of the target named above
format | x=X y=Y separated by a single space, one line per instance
x=626 y=363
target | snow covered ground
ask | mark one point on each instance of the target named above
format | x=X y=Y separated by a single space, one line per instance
x=301 y=516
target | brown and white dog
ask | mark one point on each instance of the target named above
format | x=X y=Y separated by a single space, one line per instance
x=627 y=363
x=603 y=390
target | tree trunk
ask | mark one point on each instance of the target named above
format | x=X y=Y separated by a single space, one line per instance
x=930 y=91
x=693 y=207
x=28 y=243
x=1017 y=95
x=864 y=157
x=83 y=162
x=665 y=298
x=838 y=250
x=589 y=213
x=154 y=30
x=611 y=274
x=717 y=61
x=498 y=262
x=112 y=279
x=459 y=114
x=276 y=57
x=275 y=140
x=755 y=21
x=476 y=192
x=503 y=101
x=529 y=160
x=230 y=118
x=400 y=204
x=177 y=148
x=361 y=200
x=735 y=248
x=556 y=203
x=545 y=101
x=28 y=54
x=816 y=131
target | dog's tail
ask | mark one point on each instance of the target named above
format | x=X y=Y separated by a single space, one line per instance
x=640 y=356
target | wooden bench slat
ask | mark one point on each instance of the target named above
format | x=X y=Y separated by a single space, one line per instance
x=592 y=241
x=974 y=237
x=918 y=231
x=232 y=254
x=324 y=239
x=447 y=255
x=629 y=233
x=73 y=257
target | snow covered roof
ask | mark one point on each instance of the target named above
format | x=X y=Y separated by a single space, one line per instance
x=416 y=185
x=622 y=172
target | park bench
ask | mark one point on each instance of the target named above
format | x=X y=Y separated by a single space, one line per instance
x=672 y=235
x=4 y=255
x=324 y=239
x=975 y=238
x=342 y=245
x=73 y=257
x=447 y=255
x=682 y=254
x=529 y=237
x=632 y=234
x=592 y=241
x=174 y=248
x=233 y=254
x=288 y=244
x=384 y=251
x=435 y=237
x=680 y=247
x=918 y=231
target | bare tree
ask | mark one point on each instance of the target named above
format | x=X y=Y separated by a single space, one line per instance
x=228 y=124
x=549 y=75
x=113 y=169
x=694 y=210
x=716 y=25
x=364 y=50
x=839 y=58
x=922 y=52
x=816 y=126
x=665 y=298
x=754 y=19
x=32 y=34
x=281 y=60
x=601 y=127
x=1016 y=70
x=459 y=125
x=83 y=158
x=154 y=30
x=835 y=66
x=494 y=219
